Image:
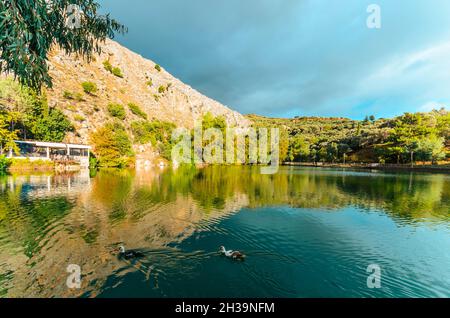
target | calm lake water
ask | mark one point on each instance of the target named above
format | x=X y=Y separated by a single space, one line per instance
x=306 y=233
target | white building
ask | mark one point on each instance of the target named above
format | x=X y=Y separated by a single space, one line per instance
x=58 y=152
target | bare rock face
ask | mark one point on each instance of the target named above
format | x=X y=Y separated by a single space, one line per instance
x=160 y=95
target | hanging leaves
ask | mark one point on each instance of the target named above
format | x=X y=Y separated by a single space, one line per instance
x=29 y=28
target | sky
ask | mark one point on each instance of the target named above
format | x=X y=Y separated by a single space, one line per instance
x=286 y=58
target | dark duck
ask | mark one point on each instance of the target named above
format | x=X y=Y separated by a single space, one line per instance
x=236 y=255
x=129 y=254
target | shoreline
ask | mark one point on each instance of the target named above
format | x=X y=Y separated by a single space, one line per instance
x=374 y=166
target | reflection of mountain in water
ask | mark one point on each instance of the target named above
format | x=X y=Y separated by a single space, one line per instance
x=48 y=222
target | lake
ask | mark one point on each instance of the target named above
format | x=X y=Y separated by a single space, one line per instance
x=306 y=232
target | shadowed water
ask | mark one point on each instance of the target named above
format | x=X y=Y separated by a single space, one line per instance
x=306 y=233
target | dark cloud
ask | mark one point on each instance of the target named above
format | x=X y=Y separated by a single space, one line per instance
x=291 y=57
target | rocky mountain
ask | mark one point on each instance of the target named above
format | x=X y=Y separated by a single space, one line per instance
x=130 y=78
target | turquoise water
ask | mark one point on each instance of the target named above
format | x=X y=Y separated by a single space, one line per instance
x=305 y=232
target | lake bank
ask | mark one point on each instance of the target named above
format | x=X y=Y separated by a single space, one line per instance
x=375 y=166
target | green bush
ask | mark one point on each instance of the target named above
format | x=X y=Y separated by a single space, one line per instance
x=89 y=88
x=28 y=165
x=152 y=132
x=117 y=72
x=112 y=146
x=79 y=118
x=107 y=65
x=116 y=110
x=135 y=109
x=79 y=97
x=149 y=83
x=158 y=68
x=161 y=89
x=68 y=95
x=4 y=163
x=113 y=70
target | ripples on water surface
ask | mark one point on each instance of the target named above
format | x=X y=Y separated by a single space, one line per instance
x=306 y=233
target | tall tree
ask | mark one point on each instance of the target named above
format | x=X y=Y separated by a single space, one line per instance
x=29 y=28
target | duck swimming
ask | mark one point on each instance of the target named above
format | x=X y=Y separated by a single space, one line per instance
x=130 y=254
x=236 y=255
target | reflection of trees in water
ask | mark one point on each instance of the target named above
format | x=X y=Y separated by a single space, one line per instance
x=40 y=234
x=46 y=223
x=413 y=196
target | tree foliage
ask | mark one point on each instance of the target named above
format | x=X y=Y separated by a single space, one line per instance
x=112 y=145
x=25 y=114
x=29 y=28
x=418 y=136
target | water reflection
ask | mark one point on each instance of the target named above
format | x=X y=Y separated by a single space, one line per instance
x=50 y=221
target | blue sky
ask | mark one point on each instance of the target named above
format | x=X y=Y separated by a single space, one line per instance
x=286 y=58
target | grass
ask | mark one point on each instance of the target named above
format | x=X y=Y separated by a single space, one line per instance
x=27 y=165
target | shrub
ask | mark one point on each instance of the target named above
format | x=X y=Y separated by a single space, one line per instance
x=149 y=83
x=79 y=97
x=158 y=68
x=4 y=163
x=117 y=72
x=68 y=95
x=135 y=109
x=89 y=88
x=93 y=162
x=28 y=165
x=152 y=132
x=107 y=65
x=116 y=110
x=79 y=118
x=113 y=70
x=161 y=89
x=112 y=146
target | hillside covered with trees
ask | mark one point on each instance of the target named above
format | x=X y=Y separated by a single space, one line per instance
x=410 y=137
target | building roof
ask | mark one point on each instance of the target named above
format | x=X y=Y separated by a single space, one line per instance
x=53 y=144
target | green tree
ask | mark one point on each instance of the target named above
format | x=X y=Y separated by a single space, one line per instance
x=7 y=136
x=28 y=29
x=430 y=149
x=299 y=149
x=47 y=123
x=112 y=146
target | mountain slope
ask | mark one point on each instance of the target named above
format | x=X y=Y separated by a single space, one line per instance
x=160 y=95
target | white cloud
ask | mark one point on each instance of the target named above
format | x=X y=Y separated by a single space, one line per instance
x=427 y=107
